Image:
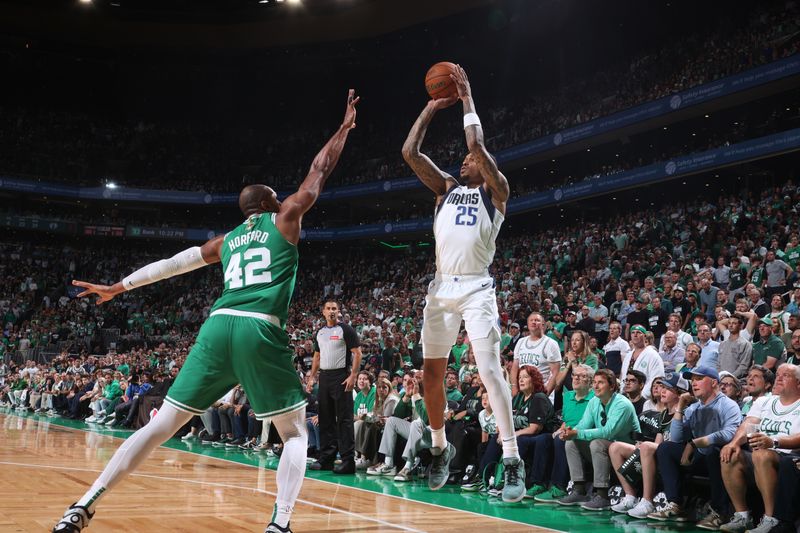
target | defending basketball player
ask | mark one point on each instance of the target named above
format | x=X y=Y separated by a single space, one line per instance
x=243 y=340
x=468 y=217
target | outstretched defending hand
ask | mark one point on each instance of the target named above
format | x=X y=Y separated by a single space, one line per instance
x=350 y=113
x=104 y=292
x=462 y=83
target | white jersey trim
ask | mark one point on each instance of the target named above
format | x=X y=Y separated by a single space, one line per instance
x=272 y=319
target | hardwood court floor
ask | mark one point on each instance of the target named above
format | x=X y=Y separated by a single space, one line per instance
x=45 y=464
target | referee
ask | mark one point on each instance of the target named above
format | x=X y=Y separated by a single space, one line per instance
x=334 y=344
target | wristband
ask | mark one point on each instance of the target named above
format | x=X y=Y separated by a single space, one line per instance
x=471 y=119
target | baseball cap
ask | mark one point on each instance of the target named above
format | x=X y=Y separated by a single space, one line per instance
x=514 y=325
x=638 y=328
x=726 y=374
x=570 y=312
x=640 y=300
x=766 y=320
x=705 y=371
x=678 y=288
x=676 y=382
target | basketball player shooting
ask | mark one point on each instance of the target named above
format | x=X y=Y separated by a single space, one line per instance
x=243 y=340
x=468 y=217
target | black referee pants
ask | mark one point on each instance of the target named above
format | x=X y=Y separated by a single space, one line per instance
x=335 y=417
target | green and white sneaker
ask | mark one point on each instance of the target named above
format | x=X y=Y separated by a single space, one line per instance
x=551 y=495
x=535 y=491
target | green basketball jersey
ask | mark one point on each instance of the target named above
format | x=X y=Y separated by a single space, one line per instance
x=260 y=268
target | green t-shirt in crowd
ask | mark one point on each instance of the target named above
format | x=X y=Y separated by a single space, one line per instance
x=558 y=327
x=573 y=409
x=364 y=403
x=458 y=351
x=591 y=360
x=772 y=347
x=454 y=395
x=757 y=276
x=792 y=256
x=505 y=339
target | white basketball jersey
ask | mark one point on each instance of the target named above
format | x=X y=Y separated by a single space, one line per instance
x=465 y=227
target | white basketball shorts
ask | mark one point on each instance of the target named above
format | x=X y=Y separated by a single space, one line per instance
x=453 y=298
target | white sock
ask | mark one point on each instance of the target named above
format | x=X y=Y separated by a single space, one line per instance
x=510 y=449
x=438 y=438
x=388 y=461
x=487 y=356
x=134 y=450
x=292 y=465
x=281 y=515
x=744 y=514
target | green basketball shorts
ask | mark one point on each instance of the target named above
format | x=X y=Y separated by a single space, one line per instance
x=239 y=349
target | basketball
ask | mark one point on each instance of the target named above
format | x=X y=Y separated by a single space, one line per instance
x=438 y=82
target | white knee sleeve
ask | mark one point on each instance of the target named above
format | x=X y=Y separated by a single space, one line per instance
x=136 y=449
x=292 y=466
x=487 y=356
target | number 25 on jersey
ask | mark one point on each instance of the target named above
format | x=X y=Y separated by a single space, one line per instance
x=467 y=215
x=256 y=263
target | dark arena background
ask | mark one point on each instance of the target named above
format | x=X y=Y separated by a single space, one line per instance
x=652 y=228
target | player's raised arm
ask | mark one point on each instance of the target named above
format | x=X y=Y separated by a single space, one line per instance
x=433 y=177
x=293 y=208
x=473 y=130
x=180 y=263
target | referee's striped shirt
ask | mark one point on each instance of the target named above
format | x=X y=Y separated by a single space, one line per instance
x=334 y=344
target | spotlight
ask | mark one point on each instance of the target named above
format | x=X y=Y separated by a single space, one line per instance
x=111 y=185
